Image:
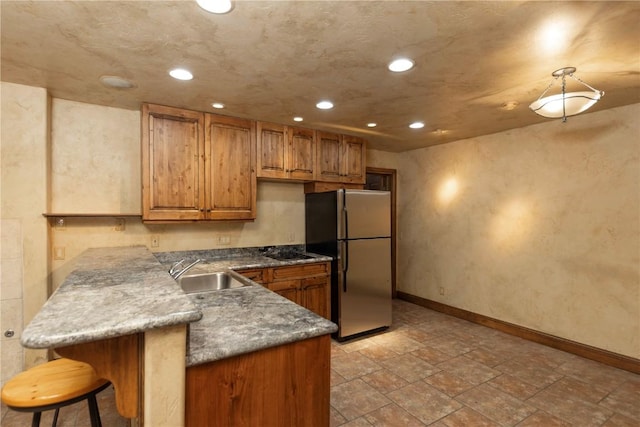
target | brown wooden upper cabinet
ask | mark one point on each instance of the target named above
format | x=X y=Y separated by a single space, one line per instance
x=231 y=172
x=340 y=158
x=197 y=166
x=286 y=152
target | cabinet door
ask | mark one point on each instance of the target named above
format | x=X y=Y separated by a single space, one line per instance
x=172 y=164
x=230 y=167
x=315 y=295
x=288 y=289
x=272 y=150
x=328 y=153
x=302 y=153
x=256 y=274
x=353 y=159
x=300 y=271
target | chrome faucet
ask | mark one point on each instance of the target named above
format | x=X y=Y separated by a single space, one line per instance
x=175 y=273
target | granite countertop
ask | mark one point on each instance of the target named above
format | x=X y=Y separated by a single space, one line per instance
x=120 y=291
x=242 y=320
x=111 y=292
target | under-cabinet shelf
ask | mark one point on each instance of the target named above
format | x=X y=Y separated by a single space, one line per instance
x=92 y=215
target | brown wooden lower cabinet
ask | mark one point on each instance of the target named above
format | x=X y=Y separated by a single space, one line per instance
x=282 y=386
x=308 y=285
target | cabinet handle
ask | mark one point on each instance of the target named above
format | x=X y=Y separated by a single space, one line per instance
x=201 y=209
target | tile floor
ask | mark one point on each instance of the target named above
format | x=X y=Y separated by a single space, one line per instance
x=431 y=369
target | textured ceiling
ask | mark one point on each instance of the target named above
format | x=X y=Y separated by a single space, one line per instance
x=271 y=60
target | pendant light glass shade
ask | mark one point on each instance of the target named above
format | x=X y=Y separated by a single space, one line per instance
x=568 y=104
x=565 y=104
x=216 y=6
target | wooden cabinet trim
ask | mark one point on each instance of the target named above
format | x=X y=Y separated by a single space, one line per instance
x=118 y=360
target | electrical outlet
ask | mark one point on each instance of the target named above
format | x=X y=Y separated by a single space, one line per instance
x=155 y=241
x=224 y=240
x=291 y=237
x=119 y=224
x=58 y=252
x=441 y=291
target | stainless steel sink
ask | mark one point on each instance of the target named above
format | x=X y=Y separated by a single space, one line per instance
x=206 y=282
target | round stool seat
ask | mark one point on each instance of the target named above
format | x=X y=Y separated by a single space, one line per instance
x=51 y=383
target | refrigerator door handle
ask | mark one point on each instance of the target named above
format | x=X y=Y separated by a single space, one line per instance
x=344 y=259
x=346 y=216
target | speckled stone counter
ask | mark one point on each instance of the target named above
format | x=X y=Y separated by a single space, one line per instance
x=242 y=320
x=121 y=291
x=111 y=292
x=236 y=258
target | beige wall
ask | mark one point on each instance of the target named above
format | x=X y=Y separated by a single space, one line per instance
x=538 y=226
x=95 y=162
x=382 y=159
x=95 y=158
x=23 y=199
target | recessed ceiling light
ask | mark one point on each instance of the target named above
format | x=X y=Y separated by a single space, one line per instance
x=297 y=119
x=440 y=132
x=372 y=125
x=416 y=125
x=117 y=82
x=401 y=64
x=181 y=74
x=217 y=105
x=215 y=6
x=325 y=105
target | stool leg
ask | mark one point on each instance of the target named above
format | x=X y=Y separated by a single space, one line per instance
x=55 y=418
x=35 y=421
x=94 y=414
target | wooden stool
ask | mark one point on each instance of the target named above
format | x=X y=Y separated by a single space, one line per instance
x=53 y=385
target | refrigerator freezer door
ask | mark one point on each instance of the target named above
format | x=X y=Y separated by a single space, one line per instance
x=368 y=214
x=366 y=303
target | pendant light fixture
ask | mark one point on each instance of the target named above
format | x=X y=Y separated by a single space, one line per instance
x=216 y=6
x=565 y=104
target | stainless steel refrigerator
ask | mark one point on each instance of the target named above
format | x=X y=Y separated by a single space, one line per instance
x=354 y=227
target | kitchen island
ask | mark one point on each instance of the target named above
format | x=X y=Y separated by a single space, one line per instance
x=120 y=311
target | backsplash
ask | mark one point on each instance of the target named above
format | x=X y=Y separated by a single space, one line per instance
x=212 y=254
